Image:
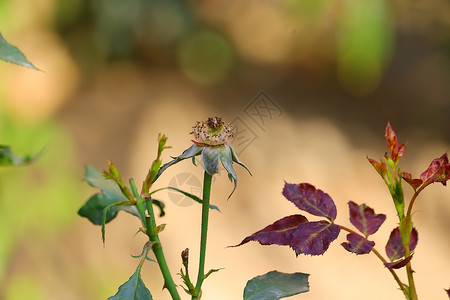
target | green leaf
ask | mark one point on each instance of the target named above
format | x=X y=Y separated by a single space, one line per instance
x=133 y=289
x=93 y=209
x=193 y=197
x=7 y=158
x=11 y=54
x=111 y=194
x=276 y=285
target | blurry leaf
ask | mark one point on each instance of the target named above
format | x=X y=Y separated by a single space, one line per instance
x=93 y=208
x=399 y=263
x=279 y=233
x=365 y=36
x=448 y=292
x=307 y=198
x=133 y=289
x=7 y=158
x=394 y=246
x=314 y=238
x=193 y=197
x=11 y=54
x=276 y=285
x=206 y=57
x=358 y=244
x=364 y=218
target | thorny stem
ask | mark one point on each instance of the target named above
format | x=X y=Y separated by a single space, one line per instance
x=149 y=224
x=158 y=251
x=397 y=279
x=205 y=214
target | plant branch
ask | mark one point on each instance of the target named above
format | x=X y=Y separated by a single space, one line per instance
x=205 y=214
x=397 y=279
x=149 y=224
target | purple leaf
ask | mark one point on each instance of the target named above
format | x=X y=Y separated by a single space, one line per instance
x=313 y=238
x=398 y=264
x=279 y=233
x=364 y=218
x=448 y=292
x=307 y=198
x=394 y=246
x=358 y=244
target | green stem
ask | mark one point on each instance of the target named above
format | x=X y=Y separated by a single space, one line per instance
x=159 y=254
x=149 y=224
x=409 y=270
x=205 y=214
x=397 y=279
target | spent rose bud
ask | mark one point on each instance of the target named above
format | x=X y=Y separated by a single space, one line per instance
x=212 y=132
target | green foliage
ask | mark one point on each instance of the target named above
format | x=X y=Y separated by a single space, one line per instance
x=133 y=289
x=276 y=285
x=95 y=207
x=7 y=158
x=11 y=54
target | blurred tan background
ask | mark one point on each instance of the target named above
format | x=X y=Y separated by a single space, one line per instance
x=310 y=84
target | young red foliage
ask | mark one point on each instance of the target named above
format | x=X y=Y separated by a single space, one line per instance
x=397 y=151
x=364 y=218
x=437 y=171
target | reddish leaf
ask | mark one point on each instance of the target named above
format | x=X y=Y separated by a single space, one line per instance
x=438 y=171
x=279 y=233
x=391 y=138
x=399 y=264
x=307 y=198
x=358 y=244
x=364 y=218
x=313 y=238
x=397 y=151
x=415 y=183
x=380 y=167
x=448 y=292
x=394 y=246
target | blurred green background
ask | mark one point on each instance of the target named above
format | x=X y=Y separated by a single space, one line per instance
x=118 y=72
